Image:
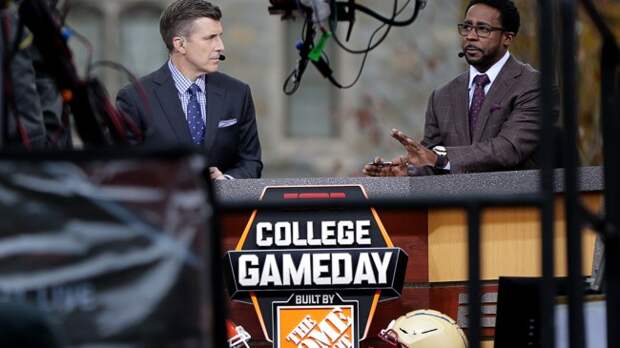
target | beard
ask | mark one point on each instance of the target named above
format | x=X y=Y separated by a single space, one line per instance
x=481 y=59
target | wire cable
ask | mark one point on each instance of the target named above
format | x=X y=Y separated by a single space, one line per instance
x=293 y=80
x=332 y=28
x=361 y=69
x=294 y=77
x=70 y=32
x=420 y=4
x=129 y=122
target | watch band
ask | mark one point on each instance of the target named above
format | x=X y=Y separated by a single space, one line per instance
x=442 y=162
x=442 y=157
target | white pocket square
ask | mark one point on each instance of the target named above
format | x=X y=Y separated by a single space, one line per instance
x=226 y=123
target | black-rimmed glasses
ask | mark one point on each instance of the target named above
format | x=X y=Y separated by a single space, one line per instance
x=481 y=30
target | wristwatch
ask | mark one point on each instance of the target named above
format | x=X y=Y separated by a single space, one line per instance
x=442 y=157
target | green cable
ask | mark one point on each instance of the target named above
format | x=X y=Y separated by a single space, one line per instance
x=316 y=52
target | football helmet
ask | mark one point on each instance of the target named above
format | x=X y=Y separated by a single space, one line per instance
x=237 y=336
x=425 y=328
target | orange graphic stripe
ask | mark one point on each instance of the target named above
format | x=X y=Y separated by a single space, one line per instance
x=259 y=313
x=388 y=241
x=373 y=307
x=246 y=231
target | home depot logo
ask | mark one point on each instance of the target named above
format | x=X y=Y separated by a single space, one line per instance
x=316 y=326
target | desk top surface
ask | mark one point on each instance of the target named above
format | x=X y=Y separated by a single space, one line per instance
x=493 y=183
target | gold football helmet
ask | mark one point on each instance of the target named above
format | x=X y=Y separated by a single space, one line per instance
x=425 y=328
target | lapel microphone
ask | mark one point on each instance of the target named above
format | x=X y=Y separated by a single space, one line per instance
x=461 y=54
x=222 y=57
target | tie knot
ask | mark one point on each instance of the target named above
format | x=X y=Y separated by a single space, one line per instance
x=193 y=89
x=481 y=80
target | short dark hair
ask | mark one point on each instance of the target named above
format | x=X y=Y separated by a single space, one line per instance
x=178 y=16
x=509 y=14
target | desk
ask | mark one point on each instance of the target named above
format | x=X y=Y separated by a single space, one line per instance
x=435 y=239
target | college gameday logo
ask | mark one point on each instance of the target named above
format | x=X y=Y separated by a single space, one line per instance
x=315 y=276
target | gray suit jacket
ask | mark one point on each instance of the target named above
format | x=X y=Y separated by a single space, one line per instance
x=507 y=134
x=231 y=140
x=25 y=103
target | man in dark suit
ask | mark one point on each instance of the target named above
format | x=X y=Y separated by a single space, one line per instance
x=189 y=102
x=486 y=119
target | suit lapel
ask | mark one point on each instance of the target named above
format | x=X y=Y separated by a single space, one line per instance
x=460 y=100
x=497 y=93
x=168 y=97
x=215 y=108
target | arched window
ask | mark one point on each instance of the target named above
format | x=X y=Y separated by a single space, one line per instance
x=142 y=49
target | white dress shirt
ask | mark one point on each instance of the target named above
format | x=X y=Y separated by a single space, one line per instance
x=183 y=84
x=491 y=73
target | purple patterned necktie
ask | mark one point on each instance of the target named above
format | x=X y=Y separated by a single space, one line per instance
x=476 y=102
x=194 y=116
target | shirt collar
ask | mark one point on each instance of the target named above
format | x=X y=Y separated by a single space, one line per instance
x=181 y=82
x=491 y=73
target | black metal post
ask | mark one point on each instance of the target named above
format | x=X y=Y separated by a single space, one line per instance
x=217 y=290
x=573 y=228
x=547 y=295
x=610 y=122
x=473 y=286
x=611 y=125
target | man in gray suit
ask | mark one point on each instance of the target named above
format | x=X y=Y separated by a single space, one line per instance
x=486 y=119
x=188 y=102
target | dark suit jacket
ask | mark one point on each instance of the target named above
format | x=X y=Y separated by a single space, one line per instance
x=231 y=140
x=507 y=134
